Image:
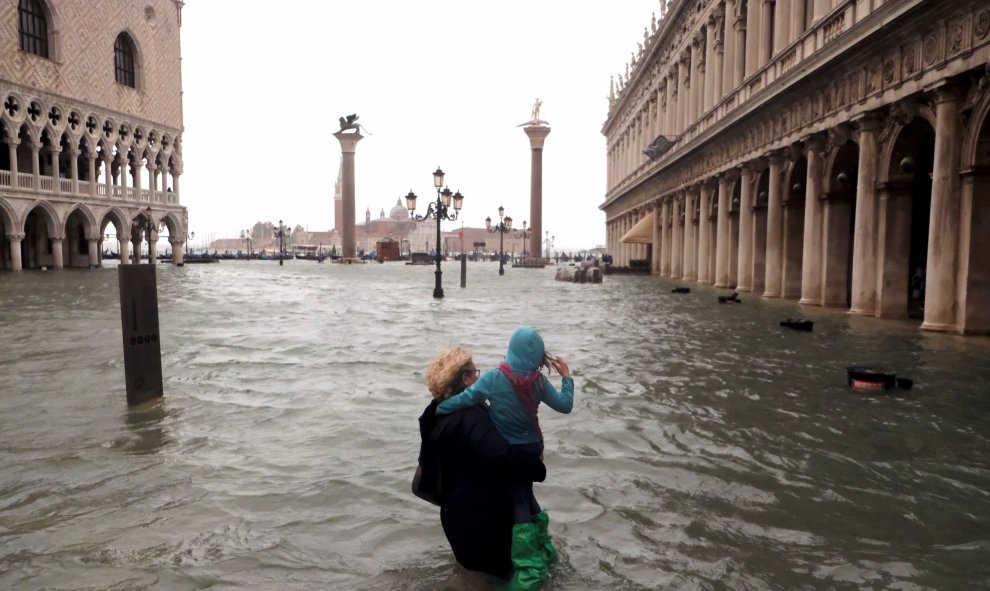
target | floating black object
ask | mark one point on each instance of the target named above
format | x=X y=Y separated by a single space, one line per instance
x=870 y=378
x=798 y=324
x=730 y=298
x=681 y=290
x=905 y=383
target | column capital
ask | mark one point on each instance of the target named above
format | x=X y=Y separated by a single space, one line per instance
x=15 y=236
x=814 y=142
x=870 y=122
x=58 y=237
x=946 y=90
x=776 y=157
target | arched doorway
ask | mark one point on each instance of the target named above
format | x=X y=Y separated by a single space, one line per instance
x=37 y=249
x=905 y=211
x=793 y=237
x=76 y=247
x=838 y=224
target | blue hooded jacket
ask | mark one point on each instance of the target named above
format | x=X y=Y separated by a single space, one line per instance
x=508 y=413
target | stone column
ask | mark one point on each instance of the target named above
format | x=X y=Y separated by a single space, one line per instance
x=677 y=239
x=836 y=221
x=348 y=146
x=136 y=250
x=758 y=270
x=690 y=238
x=943 y=228
x=35 y=163
x=683 y=99
x=775 y=229
x=722 y=232
x=125 y=172
x=973 y=315
x=790 y=276
x=668 y=113
x=178 y=251
x=108 y=177
x=697 y=94
x=57 y=262
x=797 y=21
x=665 y=238
x=703 y=228
x=766 y=33
x=754 y=40
x=94 y=252
x=657 y=239
x=781 y=25
x=152 y=179
x=739 y=52
x=55 y=153
x=711 y=72
x=744 y=279
x=811 y=259
x=821 y=9
x=12 y=143
x=537 y=134
x=14 y=240
x=864 y=260
x=718 y=74
x=91 y=167
x=152 y=246
x=123 y=250
x=74 y=169
x=893 y=248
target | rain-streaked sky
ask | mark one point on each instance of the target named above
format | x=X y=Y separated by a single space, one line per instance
x=435 y=83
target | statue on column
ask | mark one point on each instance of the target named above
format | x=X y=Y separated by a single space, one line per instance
x=535 y=115
x=350 y=122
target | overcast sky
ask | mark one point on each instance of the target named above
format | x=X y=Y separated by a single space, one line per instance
x=435 y=83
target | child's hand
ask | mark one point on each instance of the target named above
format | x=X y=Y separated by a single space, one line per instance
x=561 y=366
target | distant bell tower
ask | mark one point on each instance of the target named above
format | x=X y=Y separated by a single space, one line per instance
x=338 y=200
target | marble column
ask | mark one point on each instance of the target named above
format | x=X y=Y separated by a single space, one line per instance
x=55 y=153
x=782 y=25
x=711 y=72
x=811 y=259
x=665 y=257
x=537 y=135
x=729 y=41
x=94 y=252
x=744 y=279
x=14 y=240
x=758 y=259
x=703 y=232
x=739 y=52
x=790 y=275
x=153 y=247
x=683 y=98
x=973 y=314
x=91 y=176
x=766 y=33
x=677 y=239
x=775 y=229
x=754 y=20
x=12 y=143
x=74 y=169
x=943 y=228
x=670 y=91
x=690 y=238
x=178 y=251
x=57 y=260
x=108 y=177
x=696 y=105
x=657 y=239
x=864 y=259
x=348 y=146
x=722 y=232
x=797 y=20
x=893 y=247
x=35 y=163
x=718 y=60
x=123 y=250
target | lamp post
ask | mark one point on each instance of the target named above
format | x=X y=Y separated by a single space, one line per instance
x=524 y=234
x=247 y=236
x=548 y=243
x=503 y=226
x=438 y=210
x=281 y=234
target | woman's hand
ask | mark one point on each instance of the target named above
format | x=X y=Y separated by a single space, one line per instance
x=561 y=366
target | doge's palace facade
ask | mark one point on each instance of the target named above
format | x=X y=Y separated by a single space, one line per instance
x=90 y=131
x=836 y=152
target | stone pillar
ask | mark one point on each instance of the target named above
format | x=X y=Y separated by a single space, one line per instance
x=175 y=185
x=107 y=176
x=703 y=230
x=739 y=52
x=790 y=275
x=973 y=314
x=537 y=134
x=670 y=90
x=697 y=81
x=811 y=259
x=91 y=167
x=766 y=33
x=754 y=40
x=123 y=250
x=55 y=153
x=152 y=246
x=178 y=251
x=797 y=20
x=683 y=75
x=690 y=238
x=722 y=233
x=136 y=250
x=152 y=178
x=12 y=143
x=665 y=241
x=893 y=248
x=94 y=252
x=864 y=260
x=348 y=146
x=657 y=239
x=758 y=270
x=125 y=172
x=781 y=25
x=74 y=169
x=943 y=228
x=57 y=262
x=677 y=239
x=729 y=53
x=775 y=229
x=14 y=240
x=35 y=164
x=821 y=9
x=711 y=71
x=744 y=279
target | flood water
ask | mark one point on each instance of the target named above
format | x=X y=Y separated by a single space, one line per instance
x=709 y=448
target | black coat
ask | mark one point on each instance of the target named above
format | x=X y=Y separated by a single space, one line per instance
x=471 y=464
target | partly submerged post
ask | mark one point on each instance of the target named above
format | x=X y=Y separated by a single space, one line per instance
x=139 y=329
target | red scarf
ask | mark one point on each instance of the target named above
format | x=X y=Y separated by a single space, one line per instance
x=525 y=386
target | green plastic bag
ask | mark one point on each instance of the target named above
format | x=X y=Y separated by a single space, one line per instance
x=528 y=560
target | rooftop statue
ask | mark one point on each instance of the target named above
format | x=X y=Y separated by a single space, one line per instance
x=350 y=122
x=535 y=115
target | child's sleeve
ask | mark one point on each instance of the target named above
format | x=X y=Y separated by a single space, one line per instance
x=562 y=401
x=472 y=396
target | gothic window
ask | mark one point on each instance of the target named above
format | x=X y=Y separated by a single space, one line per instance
x=123 y=60
x=33 y=26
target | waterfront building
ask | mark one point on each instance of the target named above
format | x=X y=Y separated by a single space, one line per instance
x=91 y=130
x=834 y=152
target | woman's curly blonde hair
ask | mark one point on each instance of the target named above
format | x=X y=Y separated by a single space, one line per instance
x=444 y=373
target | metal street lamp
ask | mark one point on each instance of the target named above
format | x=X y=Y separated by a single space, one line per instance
x=503 y=226
x=247 y=236
x=548 y=243
x=524 y=234
x=439 y=210
x=281 y=233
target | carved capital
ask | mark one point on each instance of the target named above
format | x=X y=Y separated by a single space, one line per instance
x=15 y=236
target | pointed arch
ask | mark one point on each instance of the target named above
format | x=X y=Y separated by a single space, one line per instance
x=92 y=231
x=126 y=60
x=53 y=221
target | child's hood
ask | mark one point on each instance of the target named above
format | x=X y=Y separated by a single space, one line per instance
x=525 y=350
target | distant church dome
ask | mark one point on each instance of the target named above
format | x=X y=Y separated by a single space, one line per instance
x=399 y=212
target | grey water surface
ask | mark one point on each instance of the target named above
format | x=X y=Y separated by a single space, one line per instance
x=708 y=448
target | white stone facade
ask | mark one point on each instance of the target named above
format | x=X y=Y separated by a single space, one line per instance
x=828 y=151
x=91 y=129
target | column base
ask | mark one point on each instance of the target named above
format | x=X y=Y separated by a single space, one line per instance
x=862 y=312
x=810 y=302
x=350 y=261
x=769 y=294
x=938 y=327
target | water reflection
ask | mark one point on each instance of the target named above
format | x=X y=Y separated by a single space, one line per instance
x=709 y=448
